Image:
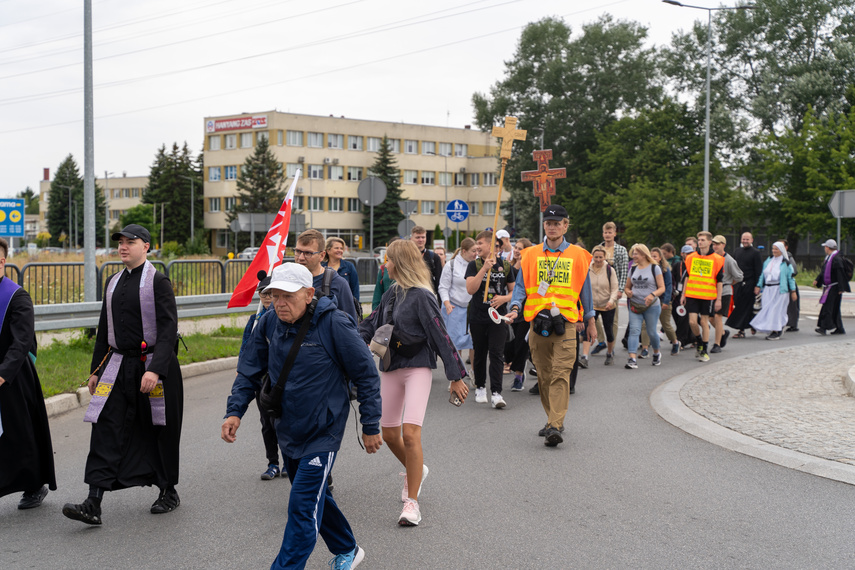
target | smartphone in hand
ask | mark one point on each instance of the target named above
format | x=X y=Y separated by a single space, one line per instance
x=454 y=399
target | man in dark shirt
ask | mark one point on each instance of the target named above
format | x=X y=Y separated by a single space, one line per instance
x=434 y=264
x=487 y=336
x=310 y=252
x=750 y=261
x=137 y=391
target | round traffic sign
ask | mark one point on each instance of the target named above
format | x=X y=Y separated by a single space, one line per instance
x=457 y=210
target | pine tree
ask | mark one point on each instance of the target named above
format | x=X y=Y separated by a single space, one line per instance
x=169 y=184
x=387 y=215
x=66 y=180
x=31 y=201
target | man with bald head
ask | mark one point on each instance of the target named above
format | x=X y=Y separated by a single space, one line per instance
x=751 y=264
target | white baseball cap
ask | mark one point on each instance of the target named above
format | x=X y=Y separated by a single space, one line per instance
x=502 y=234
x=290 y=277
x=830 y=243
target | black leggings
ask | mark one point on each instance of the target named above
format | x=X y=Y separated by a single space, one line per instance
x=608 y=323
x=517 y=351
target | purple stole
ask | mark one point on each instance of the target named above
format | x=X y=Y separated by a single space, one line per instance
x=826 y=278
x=7 y=289
x=111 y=372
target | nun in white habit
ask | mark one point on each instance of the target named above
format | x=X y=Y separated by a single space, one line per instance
x=778 y=287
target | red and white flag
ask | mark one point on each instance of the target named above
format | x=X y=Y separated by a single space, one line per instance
x=269 y=254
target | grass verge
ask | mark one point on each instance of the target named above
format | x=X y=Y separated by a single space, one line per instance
x=64 y=366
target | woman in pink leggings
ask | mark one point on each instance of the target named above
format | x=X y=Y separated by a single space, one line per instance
x=419 y=335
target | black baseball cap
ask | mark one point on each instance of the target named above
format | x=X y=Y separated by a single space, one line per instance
x=133 y=231
x=555 y=212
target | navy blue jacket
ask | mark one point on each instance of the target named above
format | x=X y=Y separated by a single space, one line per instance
x=347 y=271
x=316 y=398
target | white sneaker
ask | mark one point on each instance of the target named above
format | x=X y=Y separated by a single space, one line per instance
x=481 y=395
x=497 y=401
x=410 y=516
x=405 y=494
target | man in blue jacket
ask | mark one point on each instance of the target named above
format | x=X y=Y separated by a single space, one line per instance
x=314 y=402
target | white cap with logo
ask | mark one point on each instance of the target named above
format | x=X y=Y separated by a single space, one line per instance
x=290 y=277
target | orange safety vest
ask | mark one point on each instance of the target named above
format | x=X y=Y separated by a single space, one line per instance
x=570 y=272
x=703 y=270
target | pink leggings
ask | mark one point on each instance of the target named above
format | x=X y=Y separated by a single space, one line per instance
x=404 y=391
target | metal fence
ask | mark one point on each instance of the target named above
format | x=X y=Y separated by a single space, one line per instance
x=59 y=283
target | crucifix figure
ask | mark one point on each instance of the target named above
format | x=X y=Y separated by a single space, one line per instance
x=508 y=134
x=544 y=177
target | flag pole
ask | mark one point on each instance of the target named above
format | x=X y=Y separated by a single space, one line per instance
x=509 y=133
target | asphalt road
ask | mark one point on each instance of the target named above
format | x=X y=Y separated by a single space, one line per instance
x=625 y=490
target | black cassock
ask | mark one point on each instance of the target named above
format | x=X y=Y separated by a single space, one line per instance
x=26 y=453
x=751 y=263
x=126 y=449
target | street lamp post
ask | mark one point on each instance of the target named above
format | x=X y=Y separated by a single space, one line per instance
x=706 y=221
x=192 y=205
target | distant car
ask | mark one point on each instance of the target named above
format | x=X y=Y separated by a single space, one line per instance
x=153 y=253
x=248 y=253
x=53 y=250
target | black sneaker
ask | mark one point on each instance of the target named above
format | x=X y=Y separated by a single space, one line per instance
x=657 y=359
x=166 y=502
x=775 y=335
x=87 y=512
x=553 y=437
x=715 y=349
x=542 y=432
x=583 y=362
x=599 y=348
x=724 y=338
x=33 y=499
x=533 y=371
x=631 y=364
x=534 y=389
x=820 y=331
x=792 y=329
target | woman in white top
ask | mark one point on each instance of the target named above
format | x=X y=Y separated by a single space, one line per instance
x=455 y=299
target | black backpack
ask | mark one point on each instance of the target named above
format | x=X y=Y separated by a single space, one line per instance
x=847 y=267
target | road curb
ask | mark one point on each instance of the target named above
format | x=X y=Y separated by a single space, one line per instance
x=63 y=403
x=666 y=402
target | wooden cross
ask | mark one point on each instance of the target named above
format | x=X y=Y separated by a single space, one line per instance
x=508 y=134
x=544 y=177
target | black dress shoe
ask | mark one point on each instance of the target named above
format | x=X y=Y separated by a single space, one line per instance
x=838 y=331
x=534 y=389
x=553 y=437
x=166 y=502
x=33 y=499
x=87 y=512
x=820 y=331
x=542 y=432
x=792 y=329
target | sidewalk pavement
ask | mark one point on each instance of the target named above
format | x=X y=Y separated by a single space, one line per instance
x=792 y=407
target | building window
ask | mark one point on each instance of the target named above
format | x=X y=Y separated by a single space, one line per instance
x=395 y=146
x=117 y=192
x=428 y=207
x=230 y=203
x=489 y=208
x=231 y=173
x=428 y=147
x=298 y=203
x=316 y=203
x=442 y=206
x=474 y=208
x=354 y=173
x=231 y=142
x=213 y=204
x=223 y=238
x=114 y=214
x=137 y=190
x=411 y=147
x=354 y=142
x=315 y=140
x=374 y=144
x=316 y=171
x=428 y=177
x=460 y=150
x=126 y=192
x=291 y=170
x=336 y=204
x=294 y=138
x=262 y=136
x=445 y=149
x=335 y=141
x=336 y=173
x=474 y=179
x=246 y=140
x=489 y=179
x=214 y=142
x=353 y=205
x=459 y=179
x=279 y=137
x=445 y=179
x=411 y=177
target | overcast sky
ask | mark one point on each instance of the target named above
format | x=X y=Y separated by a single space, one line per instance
x=161 y=66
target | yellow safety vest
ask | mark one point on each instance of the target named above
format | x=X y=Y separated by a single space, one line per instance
x=569 y=270
x=703 y=270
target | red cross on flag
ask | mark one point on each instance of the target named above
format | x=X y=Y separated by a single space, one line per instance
x=269 y=254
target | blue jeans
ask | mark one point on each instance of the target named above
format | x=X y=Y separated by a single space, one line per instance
x=651 y=319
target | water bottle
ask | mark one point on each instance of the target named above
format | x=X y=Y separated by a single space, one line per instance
x=557 y=320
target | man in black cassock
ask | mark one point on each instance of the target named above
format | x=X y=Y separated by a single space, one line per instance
x=751 y=263
x=832 y=279
x=138 y=395
x=26 y=454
